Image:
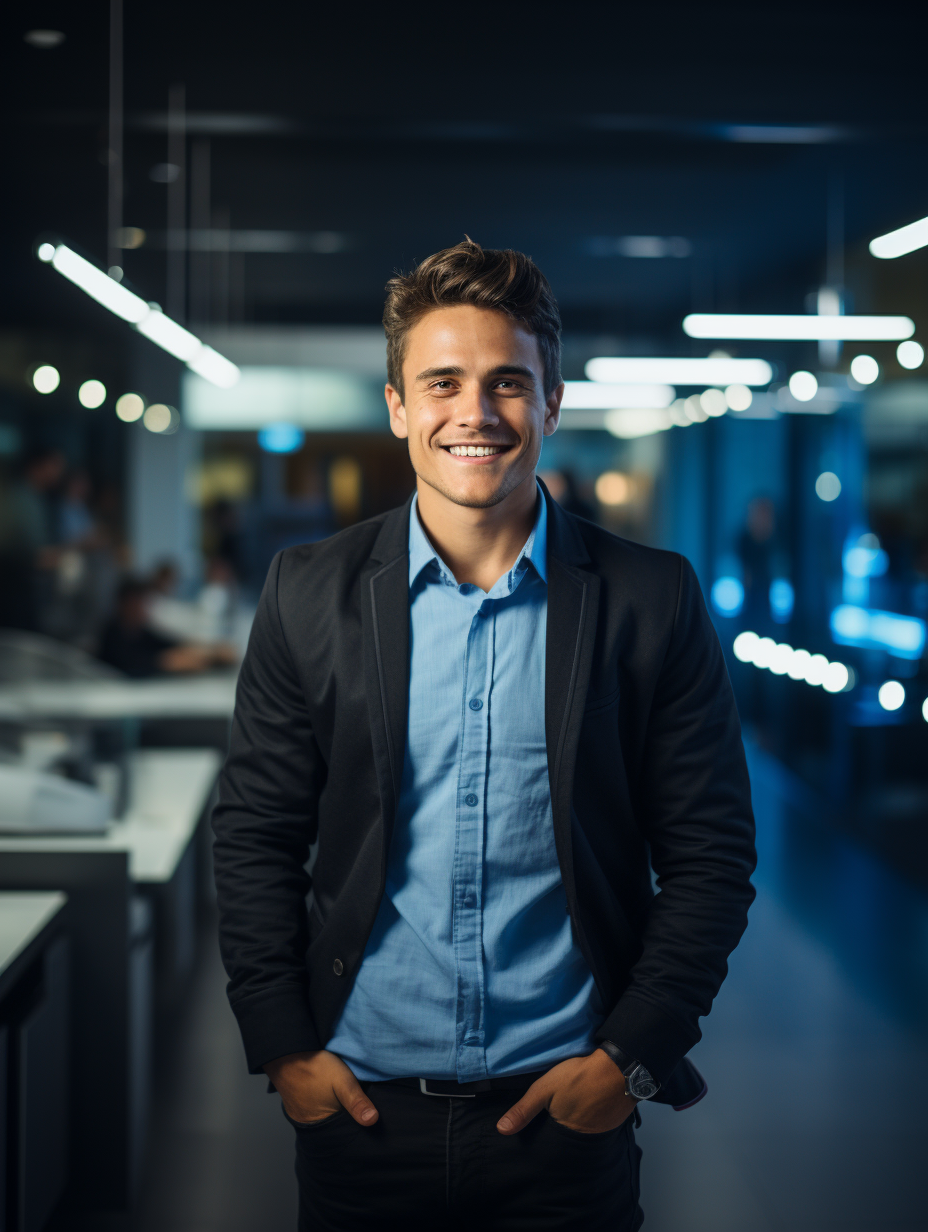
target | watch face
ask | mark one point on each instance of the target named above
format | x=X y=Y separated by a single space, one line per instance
x=640 y=1083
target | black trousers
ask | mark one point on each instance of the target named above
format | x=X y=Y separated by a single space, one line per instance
x=440 y=1163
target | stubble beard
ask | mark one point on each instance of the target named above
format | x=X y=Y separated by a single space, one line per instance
x=506 y=488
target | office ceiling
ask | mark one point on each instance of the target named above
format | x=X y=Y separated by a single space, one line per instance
x=344 y=143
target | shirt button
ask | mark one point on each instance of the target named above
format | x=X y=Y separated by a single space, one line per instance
x=338 y=966
x=470 y=899
x=470 y=799
x=475 y=703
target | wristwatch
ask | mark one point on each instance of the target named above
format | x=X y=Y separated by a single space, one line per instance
x=638 y=1081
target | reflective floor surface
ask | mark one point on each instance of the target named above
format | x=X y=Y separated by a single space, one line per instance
x=816 y=1055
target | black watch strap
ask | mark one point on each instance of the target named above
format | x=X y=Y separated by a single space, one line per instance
x=615 y=1053
x=639 y=1083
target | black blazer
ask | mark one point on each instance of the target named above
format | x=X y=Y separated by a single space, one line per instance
x=644 y=757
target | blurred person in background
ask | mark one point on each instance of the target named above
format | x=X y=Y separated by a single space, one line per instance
x=758 y=550
x=129 y=644
x=28 y=539
x=485 y=986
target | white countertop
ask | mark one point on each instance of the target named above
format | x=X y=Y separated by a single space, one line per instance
x=191 y=697
x=22 y=917
x=168 y=789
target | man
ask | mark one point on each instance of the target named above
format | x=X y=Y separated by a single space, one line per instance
x=489 y=714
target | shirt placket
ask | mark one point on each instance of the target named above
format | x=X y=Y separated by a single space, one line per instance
x=470 y=831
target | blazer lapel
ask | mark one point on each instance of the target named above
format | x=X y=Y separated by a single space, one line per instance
x=385 y=627
x=573 y=604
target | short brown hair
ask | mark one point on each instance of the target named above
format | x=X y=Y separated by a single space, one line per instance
x=496 y=278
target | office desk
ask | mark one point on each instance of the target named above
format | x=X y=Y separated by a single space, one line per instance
x=34 y=1036
x=137 y=881
x=187 y=697
x=24 y=921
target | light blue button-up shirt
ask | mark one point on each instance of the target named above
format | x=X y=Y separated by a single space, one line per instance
x=471 y=969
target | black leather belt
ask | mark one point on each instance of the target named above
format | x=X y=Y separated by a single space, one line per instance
x=445 y=1089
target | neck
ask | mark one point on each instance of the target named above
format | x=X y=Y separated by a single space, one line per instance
x=478 y=545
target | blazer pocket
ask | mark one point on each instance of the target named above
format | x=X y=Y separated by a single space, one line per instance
x=601 y=703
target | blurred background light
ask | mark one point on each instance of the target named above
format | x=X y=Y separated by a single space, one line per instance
x=865 y=558
x=727 y=596
x=803 y=386
x=713 y=370
x=738 y=397
x=925 y=709
x=782 y=599
x=281 y=438
x=596 y=395
x=92 y=394
x=130 y=407
x=44 y=40
x=872 y=629
x=631 y=422
x=613 y=488
x=910 y=354
x=713 y=402
x=864 y=369
x=901 y=241
x=148 y=319
x=782 y=660
x=158 y=418
x=694 y=409
x=891 y=695
x=828 y=486
x=45 y=252
x=46 y=379
x=810 y=327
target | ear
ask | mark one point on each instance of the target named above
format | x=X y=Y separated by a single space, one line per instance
x=397 y=412
x=553 y=410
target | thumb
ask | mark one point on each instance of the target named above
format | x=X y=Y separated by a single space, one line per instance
x=527 y=1108
x=349 y=1094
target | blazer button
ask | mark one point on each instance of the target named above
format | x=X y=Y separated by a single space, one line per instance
x=338 y=966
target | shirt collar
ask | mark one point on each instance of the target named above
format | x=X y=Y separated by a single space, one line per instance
x=534 y=552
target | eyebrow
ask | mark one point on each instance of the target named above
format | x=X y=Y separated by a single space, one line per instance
x=429 y=374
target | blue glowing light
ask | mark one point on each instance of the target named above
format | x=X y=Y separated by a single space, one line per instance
x=862 y=561
x=727 y=596
x=281 y=438
x=782 y=599
x=869 y=629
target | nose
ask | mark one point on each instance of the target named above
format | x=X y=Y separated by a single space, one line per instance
x=473 y=409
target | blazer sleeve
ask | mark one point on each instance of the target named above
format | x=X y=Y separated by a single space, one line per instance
x=264 y=824
x=694 y=804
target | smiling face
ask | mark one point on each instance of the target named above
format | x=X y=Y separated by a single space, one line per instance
x=473 y=406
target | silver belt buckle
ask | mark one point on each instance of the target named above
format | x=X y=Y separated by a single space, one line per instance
x=423 y=1087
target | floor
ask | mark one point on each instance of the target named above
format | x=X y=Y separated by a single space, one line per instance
x=816 y=1054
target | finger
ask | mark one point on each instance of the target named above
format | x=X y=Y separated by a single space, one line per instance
x=352 y=1098
x=527 y=1108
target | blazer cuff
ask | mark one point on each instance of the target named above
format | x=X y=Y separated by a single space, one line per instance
x=656 y=1038
x=275 y=1024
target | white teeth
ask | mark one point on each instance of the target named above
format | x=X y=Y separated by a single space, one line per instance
x=474 y=451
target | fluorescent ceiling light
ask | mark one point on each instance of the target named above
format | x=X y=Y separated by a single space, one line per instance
x=170 y=336
x=214 y=367
x=148 y=319
x=100 y=286
x=903 y=240
x=808 y=328
x=631 y=370
x=597 y=396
